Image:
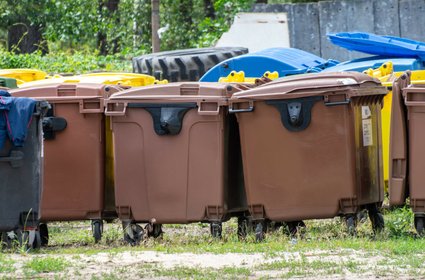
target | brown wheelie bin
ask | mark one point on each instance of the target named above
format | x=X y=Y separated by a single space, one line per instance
x=74 y=149
x=407 y=150
x=311 y=148
x=177 y=157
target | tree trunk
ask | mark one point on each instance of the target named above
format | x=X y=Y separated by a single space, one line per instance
x=25 y=38
x=155 y=26
x=103 y=45
x=209 y=9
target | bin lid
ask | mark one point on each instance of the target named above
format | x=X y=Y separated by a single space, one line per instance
x=177 y=92
x=362 y=64
x=380 y=45
x=109 y=78
x=286 y=61
x=66 y=91
x=306 y=85
x=23 y=75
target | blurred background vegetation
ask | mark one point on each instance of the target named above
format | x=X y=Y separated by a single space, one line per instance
x=83 y=35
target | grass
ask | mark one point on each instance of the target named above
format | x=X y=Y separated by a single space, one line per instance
x=6 y=264
x=324 y=249
x=46 y=265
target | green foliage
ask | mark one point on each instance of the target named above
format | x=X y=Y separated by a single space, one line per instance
x=47 y=264
x=399 y=222
x=210 y=30
x=76 y=63
x=75 y=24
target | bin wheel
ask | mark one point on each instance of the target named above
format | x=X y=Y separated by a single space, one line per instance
x=260 y=232
x=97 y=229
x=242 y=228
x=275 y=226
x=44 y=234
x=294 y=227
x=153 y=230
x=6 y=240
x=133 y=233
x=419 y=225
x=31 y=239
x=216 y=229
x=376 y=218
x=351 y=223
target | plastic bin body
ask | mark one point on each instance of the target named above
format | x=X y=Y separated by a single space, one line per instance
x=329 y=163
x=407 y=152
x=188 y=173
x=399 y=65
x=21 y=178
x=74 y=170
x=286 y=61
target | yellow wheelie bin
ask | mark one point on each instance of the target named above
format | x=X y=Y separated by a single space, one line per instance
x=23 y=75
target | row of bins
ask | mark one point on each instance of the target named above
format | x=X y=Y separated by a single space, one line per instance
x=301 y=147
x=310 y=147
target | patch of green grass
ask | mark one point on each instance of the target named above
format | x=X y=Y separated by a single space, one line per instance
x=303 y=267
x=46 y=265
x=202 y=273
x=6 y=264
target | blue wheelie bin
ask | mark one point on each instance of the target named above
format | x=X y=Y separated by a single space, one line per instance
x=285 y=61
x=404 y=54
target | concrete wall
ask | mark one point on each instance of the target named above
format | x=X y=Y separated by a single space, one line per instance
x=309 y=23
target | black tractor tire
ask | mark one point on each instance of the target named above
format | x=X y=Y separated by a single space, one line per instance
x=183 y=65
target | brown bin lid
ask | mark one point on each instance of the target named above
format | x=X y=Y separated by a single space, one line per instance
x=314 y=84
x=66 y=91
x=177 y=92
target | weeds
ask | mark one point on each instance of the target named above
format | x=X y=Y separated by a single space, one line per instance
x=46 y=265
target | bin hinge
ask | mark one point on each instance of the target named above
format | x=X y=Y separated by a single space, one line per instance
x=348 y=205
x=91 y=106
x=335 y=100
x=257 y=211
x=214 y=213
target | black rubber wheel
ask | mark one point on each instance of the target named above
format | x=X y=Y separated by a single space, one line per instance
x=6 y=241
x=419 y=225
x=44 y=234
x=216 y=229
x=183 y=65
x=154 y=230
x=97 y=230
x=133 y=233
x=260 y=232
x=31 y=239
x=294 y=227
x=376 y=218
x=242 y=228
x=351 y=223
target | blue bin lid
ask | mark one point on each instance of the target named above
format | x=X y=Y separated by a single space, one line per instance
x=379 y=45
x=286 y=61
x=361 y=64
